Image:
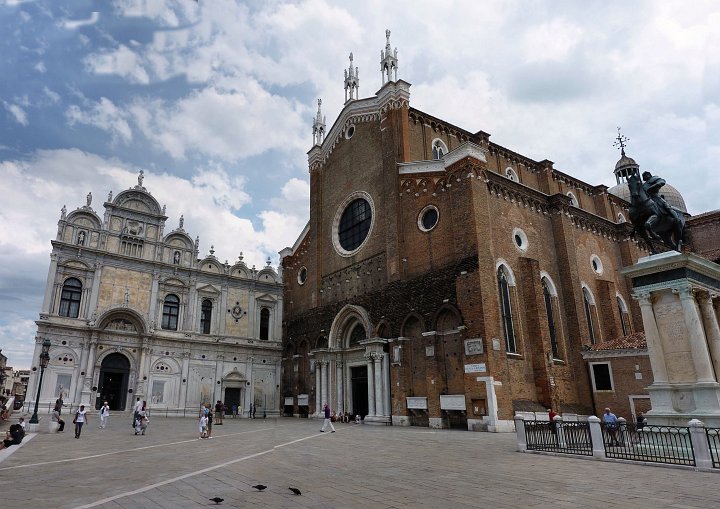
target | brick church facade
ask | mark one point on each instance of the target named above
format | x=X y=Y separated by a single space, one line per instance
x=446 y=281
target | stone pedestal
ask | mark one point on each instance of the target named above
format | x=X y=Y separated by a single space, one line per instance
x=675 y=293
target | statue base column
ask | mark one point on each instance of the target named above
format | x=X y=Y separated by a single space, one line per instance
x=686 y=384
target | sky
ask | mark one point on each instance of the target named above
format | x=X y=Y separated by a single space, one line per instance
x=214 y=101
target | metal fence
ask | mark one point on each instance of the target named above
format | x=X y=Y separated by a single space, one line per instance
x=655 y=444
x=713 y=438
x=564 y=438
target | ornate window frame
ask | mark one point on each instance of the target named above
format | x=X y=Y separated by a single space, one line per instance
x=338 y=215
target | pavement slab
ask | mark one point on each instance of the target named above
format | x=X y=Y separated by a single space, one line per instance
x=359 y=466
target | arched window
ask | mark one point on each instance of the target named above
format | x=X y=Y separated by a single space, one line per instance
x=624 y=316
x=621 y=218
x=573 y=200
x=438 y=149
x=205 y=316
x=510 y=174
x=265 y=323
x=70 y=298
x=506 y=311
x=171 y=311
x=357 y=335
x=551 y=318
x=589 y=304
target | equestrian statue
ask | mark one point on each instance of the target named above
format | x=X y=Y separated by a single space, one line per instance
x=652 y=217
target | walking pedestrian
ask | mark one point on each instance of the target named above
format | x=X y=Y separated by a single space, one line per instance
x=203 y=426
x=254 y=409
x=234 y=410
x=142 y=420
x=104 y=414
x=219 y=411
x=327 y=420
x=136 y=409
x=250 y=412
x=611 y=424
x=208 y=407
x=79 y=420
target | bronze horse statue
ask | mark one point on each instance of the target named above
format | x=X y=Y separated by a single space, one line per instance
x=653 y=218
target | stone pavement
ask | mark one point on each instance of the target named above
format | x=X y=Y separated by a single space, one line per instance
x=359 y=466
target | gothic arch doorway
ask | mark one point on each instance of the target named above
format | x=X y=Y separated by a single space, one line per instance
x=113 y=381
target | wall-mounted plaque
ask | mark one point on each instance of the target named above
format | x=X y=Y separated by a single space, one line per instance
x=302 y=400
x=452 y=402
x=416 y=402
x=476 y=368
x=474 y=346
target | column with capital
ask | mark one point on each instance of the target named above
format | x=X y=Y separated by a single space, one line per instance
x=652 y=337
x=47 y=298
x=339 y=382
x=84 y=351
x=712 y=329
x=318 y=402
x=377 y=371
x=370 y=385
x=696 y=336
x=152 y=312
x=386 y=384
x=182 y=399
x=325 y=395
x=90 y=367
x=95 y=292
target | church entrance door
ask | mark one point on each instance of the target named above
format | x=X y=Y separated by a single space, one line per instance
x=359 y=385
x=232 y=397
x=113 y=382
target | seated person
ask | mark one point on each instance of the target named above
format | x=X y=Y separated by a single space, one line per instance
x=13 y=436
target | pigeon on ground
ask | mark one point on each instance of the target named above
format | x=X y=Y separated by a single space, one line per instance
x=296 y=491
x=259 y=487
x=217 y=500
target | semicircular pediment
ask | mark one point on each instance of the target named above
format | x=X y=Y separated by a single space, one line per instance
x=179 y=239
x=84 y=218
x=137 y=200
x=122 y=320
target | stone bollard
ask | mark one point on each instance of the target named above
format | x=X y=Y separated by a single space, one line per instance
x=520 y=433
x=622 y=430
x=699 y=441
x=560 y=431
x=596 y=437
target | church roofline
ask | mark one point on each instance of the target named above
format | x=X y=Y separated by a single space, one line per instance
x=297 y=243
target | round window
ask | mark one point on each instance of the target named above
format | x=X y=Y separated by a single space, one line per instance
x=354 y=224
x=596 y=264
x=350 y=131
x=428 y=218
x=302 y=276
x=520 y=239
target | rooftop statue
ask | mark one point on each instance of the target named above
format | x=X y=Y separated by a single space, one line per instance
x=652 y=217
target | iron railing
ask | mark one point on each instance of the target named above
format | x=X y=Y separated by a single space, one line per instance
x=713 y=438
x=654 y=444
x=562 y=437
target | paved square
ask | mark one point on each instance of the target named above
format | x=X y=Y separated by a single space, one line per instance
x=359 y=466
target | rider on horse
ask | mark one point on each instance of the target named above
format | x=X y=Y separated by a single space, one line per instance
x=652 y=187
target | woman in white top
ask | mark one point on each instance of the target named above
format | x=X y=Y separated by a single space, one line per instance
x=104 y=413
x=80 y=418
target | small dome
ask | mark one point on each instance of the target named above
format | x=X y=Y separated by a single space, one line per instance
x=671 y=195
x=625 y=161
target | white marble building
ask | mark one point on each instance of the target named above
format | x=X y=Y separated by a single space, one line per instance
x=132 y=311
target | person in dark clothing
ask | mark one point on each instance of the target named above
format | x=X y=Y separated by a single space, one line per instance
x=14 y=436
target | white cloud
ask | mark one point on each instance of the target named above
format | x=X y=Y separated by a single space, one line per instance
x=103 y=115
x=52 y=95
x=227 y=123
x=40 y=67
x=18 y=342
x=75 y=24
x=18 y=113
x=121 y=61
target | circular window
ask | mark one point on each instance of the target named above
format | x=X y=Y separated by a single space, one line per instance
x=428 y=218
x=520 y=239
x=353 y=223
x=302 y=276
x=597 y=265
x=349 y=132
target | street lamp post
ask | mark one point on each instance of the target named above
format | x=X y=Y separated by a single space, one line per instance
x=44 y=360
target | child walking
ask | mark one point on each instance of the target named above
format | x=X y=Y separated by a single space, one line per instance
x=203 y=426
